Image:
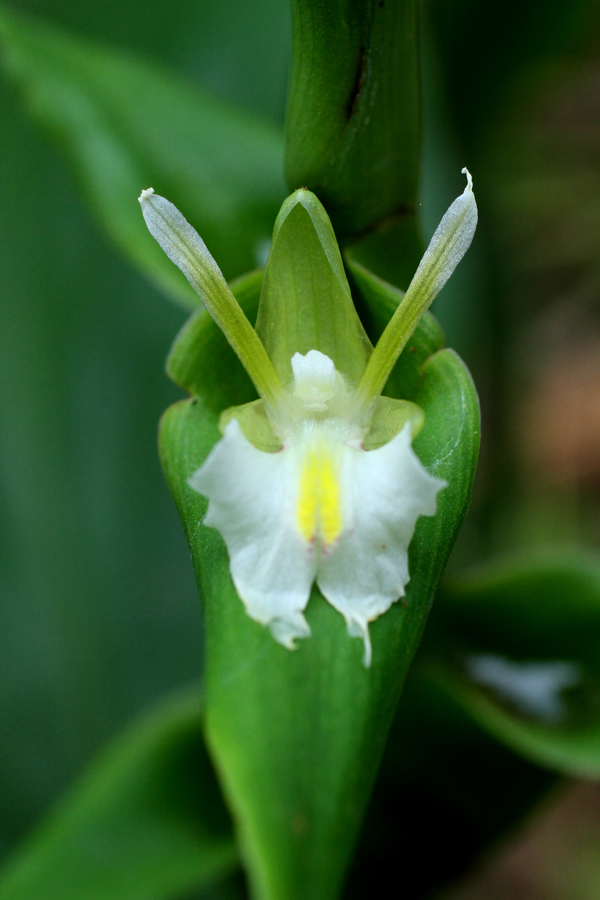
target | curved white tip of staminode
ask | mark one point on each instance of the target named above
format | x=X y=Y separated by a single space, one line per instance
x=469 y=186
x=148 y=193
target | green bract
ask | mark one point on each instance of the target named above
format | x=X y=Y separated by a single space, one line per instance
x=306 y=302
x=314 y=480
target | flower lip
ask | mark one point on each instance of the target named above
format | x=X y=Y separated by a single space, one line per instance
x=323 y=509
x=319 y=510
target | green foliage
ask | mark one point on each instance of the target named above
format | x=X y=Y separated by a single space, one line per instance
x=535 y=624
x=125 y=126
x=298 y=736
x=352 y=127
x=97 y=600
x=146 y=822
x=434 y=789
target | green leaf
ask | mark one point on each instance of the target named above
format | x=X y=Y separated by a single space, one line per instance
x=517 y=645
x=436 y=771
x=352 y=128
x=306 y=302
x=145 y=822
x=125 y=126
x=298 y=736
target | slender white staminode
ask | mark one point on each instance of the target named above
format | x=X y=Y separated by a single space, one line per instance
x=451 y=240
x=184 y=246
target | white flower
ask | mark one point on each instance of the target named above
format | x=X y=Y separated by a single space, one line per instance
x=319 y=507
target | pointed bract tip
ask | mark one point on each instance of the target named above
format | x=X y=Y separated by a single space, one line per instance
x=469 y=186
x=306 y=198
x=145 y=194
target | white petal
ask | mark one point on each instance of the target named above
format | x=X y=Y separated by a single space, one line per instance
x=386 y=491
x=251 y=496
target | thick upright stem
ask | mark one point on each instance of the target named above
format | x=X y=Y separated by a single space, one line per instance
x=353 y=130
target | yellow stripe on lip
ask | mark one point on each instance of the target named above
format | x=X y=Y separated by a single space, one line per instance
x=319 y=512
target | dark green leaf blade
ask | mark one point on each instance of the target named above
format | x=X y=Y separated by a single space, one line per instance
x=352 y=128
x=517 y=645
x=298 y=736
x=146 y=821
x=436 y=771
x=125 y=126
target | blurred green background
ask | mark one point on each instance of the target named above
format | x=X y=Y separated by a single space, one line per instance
x=98 y=608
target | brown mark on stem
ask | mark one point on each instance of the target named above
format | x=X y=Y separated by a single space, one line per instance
x=361 y=77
